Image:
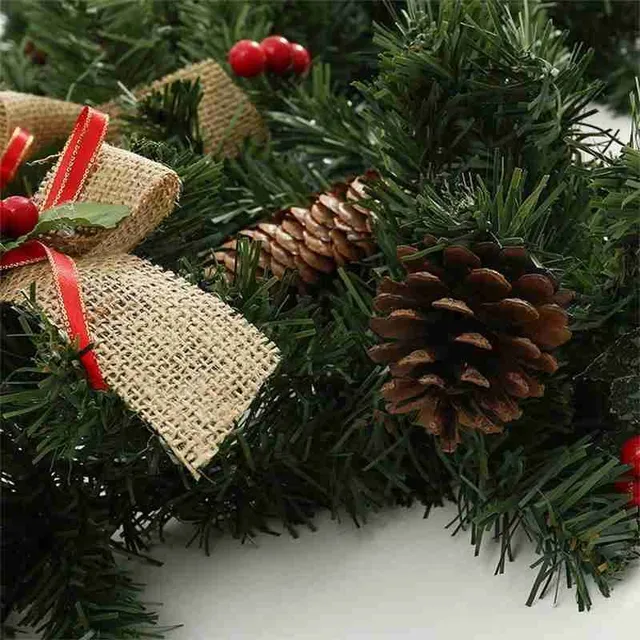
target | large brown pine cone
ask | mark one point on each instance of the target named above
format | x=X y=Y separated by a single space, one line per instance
x=333 y=231
x=468 y=334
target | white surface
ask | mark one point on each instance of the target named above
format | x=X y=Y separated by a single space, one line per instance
x=618 y=125
x=400 y=576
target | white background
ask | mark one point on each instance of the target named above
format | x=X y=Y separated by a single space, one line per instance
x=398 y=577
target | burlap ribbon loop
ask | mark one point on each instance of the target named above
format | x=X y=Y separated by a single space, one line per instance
x=179 y=357
x=226 y=115
x=149 y=189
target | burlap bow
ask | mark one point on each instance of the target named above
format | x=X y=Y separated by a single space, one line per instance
x=180 y=358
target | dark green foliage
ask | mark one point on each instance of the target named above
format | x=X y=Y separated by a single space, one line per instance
x=56 y=535
x=189 y=226
x=612 y=29
x=336 y=33
x=483 y=92
x=170 y=116
x=298 y=450
x=473 y=123
x=561 y=498
x=619 y=368
x=62 y=503
x=295 y=452
x=91 y=45
x=475 y=117
x=616 y=201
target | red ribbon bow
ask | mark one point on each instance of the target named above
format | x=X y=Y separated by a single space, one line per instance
x=78 y=156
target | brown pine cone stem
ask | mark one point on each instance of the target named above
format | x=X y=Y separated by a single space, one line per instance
x=332 y=232
x=467 y=335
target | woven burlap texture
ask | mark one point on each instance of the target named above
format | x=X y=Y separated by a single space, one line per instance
x=148 y=188
x=226 y=115
x=179 y=357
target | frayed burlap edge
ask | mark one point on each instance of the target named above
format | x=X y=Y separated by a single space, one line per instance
x=179 y=357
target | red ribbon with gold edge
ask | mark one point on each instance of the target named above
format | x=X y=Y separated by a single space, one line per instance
x=14 y=154
x=78 y=156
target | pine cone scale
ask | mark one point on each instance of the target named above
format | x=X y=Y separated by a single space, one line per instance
x=474 y=339
x=391 y=351
x=489 y=284
x=321 y=215
x=453 y=305
x=293 y=228
x=318 y=246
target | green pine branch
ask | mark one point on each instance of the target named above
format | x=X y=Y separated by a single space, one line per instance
x=60 y=576
x=611 y=29
x=473 y=123
x=563 y=500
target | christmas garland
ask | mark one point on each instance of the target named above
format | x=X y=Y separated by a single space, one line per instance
x=424 y=298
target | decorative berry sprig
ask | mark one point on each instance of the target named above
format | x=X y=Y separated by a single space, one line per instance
x=21 y=221
x=276 y=54
x=630 y=454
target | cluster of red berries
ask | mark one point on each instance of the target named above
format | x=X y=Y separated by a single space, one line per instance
x=630 y=454
x=18 y=216
x=249 y=58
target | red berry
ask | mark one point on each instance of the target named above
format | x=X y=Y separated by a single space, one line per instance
x=247 y=59
x=278 y=52
x=37 y=56
x=625 y=485
x=18 y=216
x=635 y=494
x=630 y=486
x=4 y=225
x=301 y=58
x=630 y=454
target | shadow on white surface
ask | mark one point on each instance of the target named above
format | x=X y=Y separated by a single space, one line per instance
x=400 y=576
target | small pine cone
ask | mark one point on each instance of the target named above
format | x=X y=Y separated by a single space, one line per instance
x=333 y=231
x=468 y=334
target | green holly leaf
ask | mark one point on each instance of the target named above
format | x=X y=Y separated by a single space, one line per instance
x=70 y=216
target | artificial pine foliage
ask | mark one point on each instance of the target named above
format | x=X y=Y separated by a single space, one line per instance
x=471 y=114
x=612 y=29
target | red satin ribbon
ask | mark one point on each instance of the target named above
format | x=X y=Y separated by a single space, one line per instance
x=78 y=156
x=15 y=152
